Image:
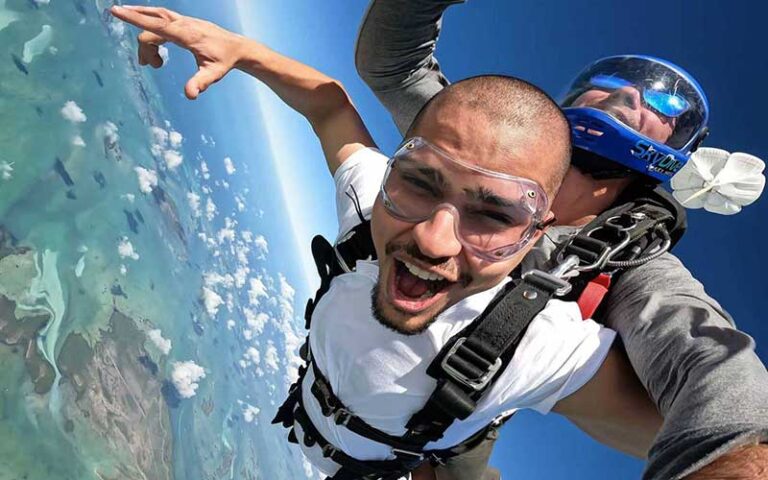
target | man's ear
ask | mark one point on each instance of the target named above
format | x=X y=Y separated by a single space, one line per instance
x=549 y=219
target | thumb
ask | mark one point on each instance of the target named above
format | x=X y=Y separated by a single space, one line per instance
x=204 y=78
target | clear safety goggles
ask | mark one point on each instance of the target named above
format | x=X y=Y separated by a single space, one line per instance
x=666 y=89
x=494 y=214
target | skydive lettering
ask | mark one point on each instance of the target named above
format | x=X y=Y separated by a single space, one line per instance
x=656 y=160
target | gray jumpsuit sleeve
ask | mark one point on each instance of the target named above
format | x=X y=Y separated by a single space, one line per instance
x=703 y=374
x=395 y=54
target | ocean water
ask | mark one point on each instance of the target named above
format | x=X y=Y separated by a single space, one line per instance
x=144 y=333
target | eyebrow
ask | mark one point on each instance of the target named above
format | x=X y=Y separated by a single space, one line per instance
x=487 y=195
x=435 y=175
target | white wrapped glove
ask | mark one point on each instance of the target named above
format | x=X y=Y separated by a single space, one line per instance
x=719 y=181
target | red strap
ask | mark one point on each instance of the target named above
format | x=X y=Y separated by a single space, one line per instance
x=593 y=295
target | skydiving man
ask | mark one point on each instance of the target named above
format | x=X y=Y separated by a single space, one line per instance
x=439 y=264
x=702 y=373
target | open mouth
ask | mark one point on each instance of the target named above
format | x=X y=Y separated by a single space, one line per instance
x=413 y=289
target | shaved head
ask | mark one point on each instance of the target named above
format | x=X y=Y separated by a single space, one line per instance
x=519 y=118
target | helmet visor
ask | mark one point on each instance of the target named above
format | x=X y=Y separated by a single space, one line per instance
x=650 y=97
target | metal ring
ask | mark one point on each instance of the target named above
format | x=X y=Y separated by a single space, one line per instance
x=612 y=222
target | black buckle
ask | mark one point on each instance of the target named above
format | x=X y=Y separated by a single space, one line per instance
x=474 y=383
x=436 y=460
x=408 y=455
x=329 y=450
x=342 y=416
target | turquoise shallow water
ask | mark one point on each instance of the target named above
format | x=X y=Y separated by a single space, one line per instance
x=91 y=261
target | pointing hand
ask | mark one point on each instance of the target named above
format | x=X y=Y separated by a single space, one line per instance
x=216 y=50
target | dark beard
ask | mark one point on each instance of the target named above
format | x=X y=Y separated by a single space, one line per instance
x=378 y=314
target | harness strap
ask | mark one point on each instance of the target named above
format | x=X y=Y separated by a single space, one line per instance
x=592 y=295
x=469 y=366
x=361 y=469
x=327 y=268
x=331 y=406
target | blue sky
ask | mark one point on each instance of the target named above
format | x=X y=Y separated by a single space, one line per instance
x=721 y=43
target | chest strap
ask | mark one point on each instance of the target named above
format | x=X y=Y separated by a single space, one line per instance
x=466 y=368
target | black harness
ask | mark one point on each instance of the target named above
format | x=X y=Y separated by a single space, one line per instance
x=632 y=233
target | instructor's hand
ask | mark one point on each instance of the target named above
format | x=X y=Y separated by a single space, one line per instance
x=216 y=50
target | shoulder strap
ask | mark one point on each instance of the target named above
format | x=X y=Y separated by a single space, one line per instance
x=466 y=368
x=644 y=223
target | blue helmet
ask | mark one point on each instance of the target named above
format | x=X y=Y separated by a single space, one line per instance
x=641 y=113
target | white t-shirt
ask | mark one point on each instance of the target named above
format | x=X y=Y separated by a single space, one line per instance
x=380 y=375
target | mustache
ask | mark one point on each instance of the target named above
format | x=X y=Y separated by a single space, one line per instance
x=447 y=265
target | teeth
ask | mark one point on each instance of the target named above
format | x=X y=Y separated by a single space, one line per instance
x=423 y=274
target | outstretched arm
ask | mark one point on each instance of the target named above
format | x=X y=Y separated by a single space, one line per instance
x=395 y=54
x=701 y=372
x=321 y=99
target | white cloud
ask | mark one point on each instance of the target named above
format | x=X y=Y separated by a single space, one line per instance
x=110 y=132
x=172 y=158
x=159 y=136
x=261 y=245
x=175 y=138
x=247 y=236
x=194 y=204
x=252 y=355
x=229 y=166
x=125 y=249
x=128 y=196
x=162 y=50
x=212 y=301
x=185 y=378
x=286 y=324
x=242 y=254
x=123 y=270
x=271 y=359
x=162 y=344
x=241 y=276
x=156 y=150
x=214 y=279
x=72 y=112
x=78 y=141
x=147 y=179
x=230 y=324
x=210 y=209
x=226 y=234
x=249 y=414
x=239 y=203
x=204 y=170
x=255 y=321
x=286 y=290
x=6 y=170
x=257 y=290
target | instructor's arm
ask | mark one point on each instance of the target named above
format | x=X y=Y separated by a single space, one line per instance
x=614 y=408
x=395 y=54
x=321 y=99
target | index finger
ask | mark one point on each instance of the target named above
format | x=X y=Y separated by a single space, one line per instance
x=152 y=21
